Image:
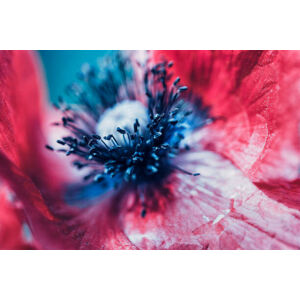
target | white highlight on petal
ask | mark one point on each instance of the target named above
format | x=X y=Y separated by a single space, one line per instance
x=122 y=115
x=218 y=219
x=221 y=216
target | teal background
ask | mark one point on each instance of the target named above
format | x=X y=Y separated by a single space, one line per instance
x=61 y=67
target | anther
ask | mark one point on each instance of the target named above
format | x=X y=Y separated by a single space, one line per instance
x=49 y=148
x=183 y=88
x=122 y=131
x=60 y=142
x=176 y=81
x=143 y=212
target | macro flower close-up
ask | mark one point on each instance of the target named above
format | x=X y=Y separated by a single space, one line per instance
x=170 y=150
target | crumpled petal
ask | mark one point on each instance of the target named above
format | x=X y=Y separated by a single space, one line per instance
x=22 y=154
x=23 y=117
x=220 y=209
x=286 y=192
x=257 y=93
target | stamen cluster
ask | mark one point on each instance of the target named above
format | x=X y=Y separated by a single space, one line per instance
x=134 y=154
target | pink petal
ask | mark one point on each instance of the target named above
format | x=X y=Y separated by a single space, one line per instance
x=257 y=92
x=220 y=209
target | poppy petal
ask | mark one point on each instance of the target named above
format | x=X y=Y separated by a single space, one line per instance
x=21 y=90
x=220 y=209
x=256 y=92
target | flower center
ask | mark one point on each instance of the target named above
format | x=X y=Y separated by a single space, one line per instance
x=119 y=140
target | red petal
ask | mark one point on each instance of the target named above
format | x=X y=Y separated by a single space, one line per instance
x=20 y=104
x=22 y=114
x=283 y=191
x=257 y=92
x=220 y=209
x=21 y=141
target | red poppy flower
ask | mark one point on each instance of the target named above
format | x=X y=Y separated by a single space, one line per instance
x=140 y=192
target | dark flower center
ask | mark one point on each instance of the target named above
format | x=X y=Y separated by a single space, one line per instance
x=113 y=143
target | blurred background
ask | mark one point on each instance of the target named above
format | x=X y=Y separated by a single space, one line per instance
x=61 y=67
